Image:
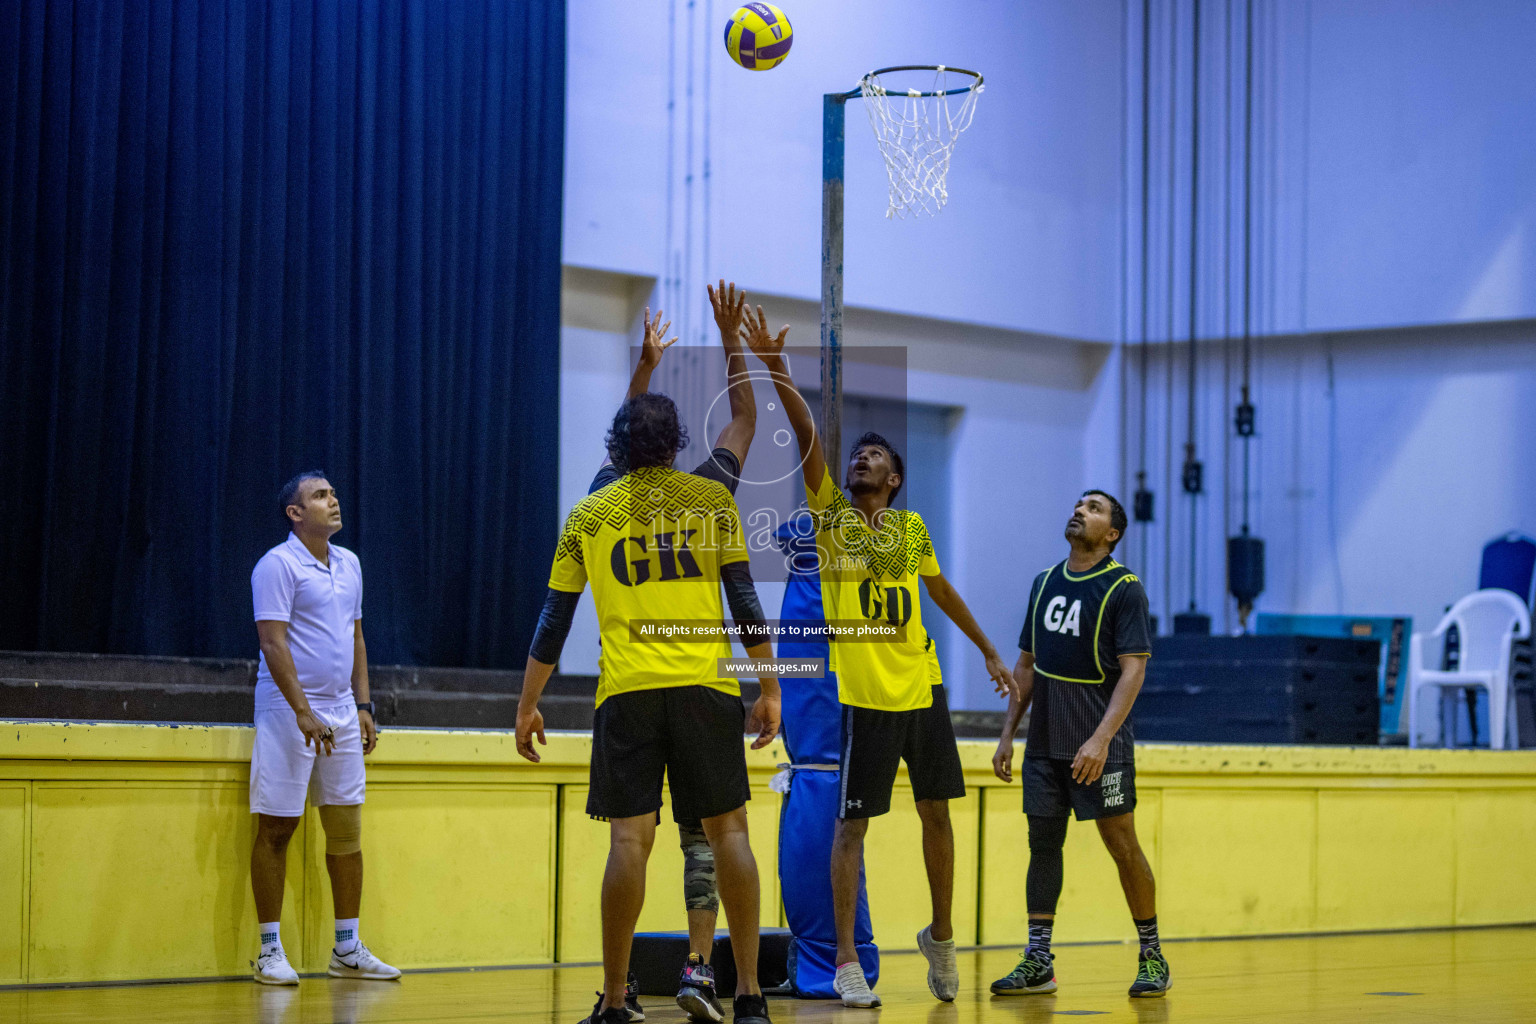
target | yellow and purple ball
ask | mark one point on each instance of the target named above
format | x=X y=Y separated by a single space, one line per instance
x=758 y=36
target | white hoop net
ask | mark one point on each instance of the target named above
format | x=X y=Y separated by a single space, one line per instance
x=917 y=135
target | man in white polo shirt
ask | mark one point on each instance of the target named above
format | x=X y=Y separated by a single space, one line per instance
x=314 y=722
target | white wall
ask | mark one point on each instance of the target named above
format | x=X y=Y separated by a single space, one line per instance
x=1392 y=161
x=1421 y=158
x=1392 y=165
x=684 y=167
x=599 y=314
x=1384 y=461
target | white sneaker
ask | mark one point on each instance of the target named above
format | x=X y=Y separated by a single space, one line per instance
x=851 y=984
x=273 y=968
x=361 y=963
x=943 y=972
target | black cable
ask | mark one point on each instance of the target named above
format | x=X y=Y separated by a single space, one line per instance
x=686 y=299
x=1226 y=298
x=1125 y=247
x=1146 y=230
x=1173 y=220
x=667 y=290
x=1191 y=466
x=1247 y=251
x=707 y=321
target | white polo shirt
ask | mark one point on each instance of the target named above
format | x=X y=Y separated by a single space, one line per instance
x=320 y=605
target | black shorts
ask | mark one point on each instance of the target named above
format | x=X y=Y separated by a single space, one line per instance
x=692 y=734
x=1050 y=792
x=876 y=742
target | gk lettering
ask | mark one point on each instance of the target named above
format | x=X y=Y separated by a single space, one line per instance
x=671 y=557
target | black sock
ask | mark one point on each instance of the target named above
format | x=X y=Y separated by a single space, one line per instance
x=1146 y=931
x=1040 y=934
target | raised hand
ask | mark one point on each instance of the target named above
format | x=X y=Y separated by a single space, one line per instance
x=652 y=346
x=754 y=331
x=728 y=304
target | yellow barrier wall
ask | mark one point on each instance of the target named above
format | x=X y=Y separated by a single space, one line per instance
x=124 y=850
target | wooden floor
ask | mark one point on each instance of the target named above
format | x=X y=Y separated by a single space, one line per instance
x=1414 y=978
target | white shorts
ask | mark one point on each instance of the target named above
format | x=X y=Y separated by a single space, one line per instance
x=284 y=769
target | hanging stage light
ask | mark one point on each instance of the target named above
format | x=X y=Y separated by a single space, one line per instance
x=1192 y=620
x=1244 y=420
x=1245 y=552
x=1245 y=572
x=1143 y=499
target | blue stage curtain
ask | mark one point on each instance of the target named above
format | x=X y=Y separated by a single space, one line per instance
x=248 y=237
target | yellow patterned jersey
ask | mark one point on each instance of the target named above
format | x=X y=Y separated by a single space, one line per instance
x=880 y=651
x=651 y=544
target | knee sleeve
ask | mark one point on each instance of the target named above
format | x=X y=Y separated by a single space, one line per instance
x=1042 y=883
x=343 y=824
x=699 y=890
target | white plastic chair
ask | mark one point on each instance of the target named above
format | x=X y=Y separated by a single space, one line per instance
x=1488 y=621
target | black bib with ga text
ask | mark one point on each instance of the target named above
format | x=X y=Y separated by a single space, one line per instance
x=1068 y=624
x=1078 y=625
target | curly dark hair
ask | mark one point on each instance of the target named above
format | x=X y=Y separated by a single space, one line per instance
x=879 y=441
x=646 y=432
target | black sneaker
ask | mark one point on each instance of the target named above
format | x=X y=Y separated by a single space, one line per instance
x=1152 y=978
x=612 y=1015
x=696 y=991
x=632 y=999
x=751 y=1010
x=1035 y=975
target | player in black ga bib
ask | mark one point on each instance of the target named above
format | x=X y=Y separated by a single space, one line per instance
x=1082 y=657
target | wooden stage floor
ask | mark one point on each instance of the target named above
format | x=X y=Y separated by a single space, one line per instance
x=1413 y=978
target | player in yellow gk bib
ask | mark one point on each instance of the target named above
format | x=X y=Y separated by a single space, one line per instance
x=696 y=985
x=870 y=559
x=657 y=545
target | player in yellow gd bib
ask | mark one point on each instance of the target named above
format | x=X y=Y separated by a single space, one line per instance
x=871 y=557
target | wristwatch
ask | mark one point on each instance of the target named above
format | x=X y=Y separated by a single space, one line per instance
x=366 y=706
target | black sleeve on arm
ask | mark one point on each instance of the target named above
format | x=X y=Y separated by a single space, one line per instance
x=741 y=595
x=1133 y=625
x=554 y=625
x=723 y=467
x=605 y=476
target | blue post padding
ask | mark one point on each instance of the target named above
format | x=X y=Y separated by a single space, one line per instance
x=813 y=718
x=806 y=824
x=813 y=735
x=811 y=967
